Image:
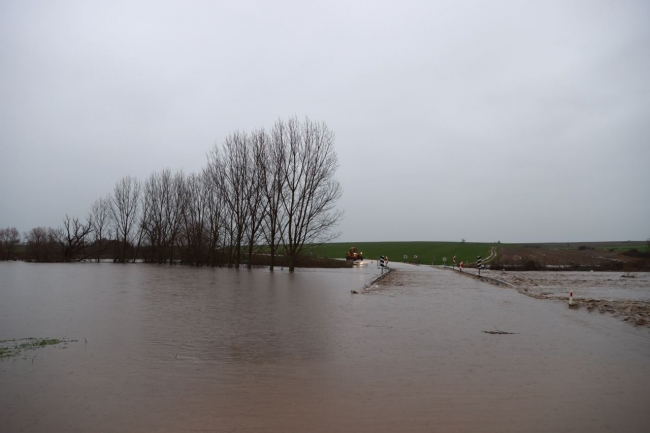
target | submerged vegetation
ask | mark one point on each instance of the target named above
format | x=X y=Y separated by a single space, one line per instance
x=14 y=347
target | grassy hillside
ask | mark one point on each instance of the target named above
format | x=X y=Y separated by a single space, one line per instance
x=426 y=251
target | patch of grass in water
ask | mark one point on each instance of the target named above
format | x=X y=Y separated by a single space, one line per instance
x=14 y=347
x=4 y=352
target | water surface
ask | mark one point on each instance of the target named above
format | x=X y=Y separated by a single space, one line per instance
x=184 y=349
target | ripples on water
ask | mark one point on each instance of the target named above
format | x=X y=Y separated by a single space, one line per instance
x=198 y=314
x=172 y=349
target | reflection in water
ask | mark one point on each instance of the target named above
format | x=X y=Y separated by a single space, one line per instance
x=165 y=348
x=239 y=315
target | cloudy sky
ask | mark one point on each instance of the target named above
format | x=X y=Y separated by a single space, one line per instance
x=485 y=120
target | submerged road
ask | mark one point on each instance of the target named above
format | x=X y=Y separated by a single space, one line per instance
x=556 y=369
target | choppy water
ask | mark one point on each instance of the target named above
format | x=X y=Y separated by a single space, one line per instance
x=181 y=349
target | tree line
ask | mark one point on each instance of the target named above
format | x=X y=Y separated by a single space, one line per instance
x=262 y=198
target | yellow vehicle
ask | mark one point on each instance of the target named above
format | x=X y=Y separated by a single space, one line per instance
x=353 y=254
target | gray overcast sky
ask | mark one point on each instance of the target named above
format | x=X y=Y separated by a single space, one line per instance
x=485 y=120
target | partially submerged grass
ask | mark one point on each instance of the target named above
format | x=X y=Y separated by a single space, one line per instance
x=14 y=347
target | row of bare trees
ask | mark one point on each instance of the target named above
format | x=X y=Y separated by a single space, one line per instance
x=263 y=195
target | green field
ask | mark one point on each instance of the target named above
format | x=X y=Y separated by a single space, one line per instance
x=426 y=251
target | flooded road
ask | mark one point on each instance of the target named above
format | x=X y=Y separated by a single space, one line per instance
x=178 y=349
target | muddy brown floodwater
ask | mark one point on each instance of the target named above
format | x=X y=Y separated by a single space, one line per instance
x=175 y=349
x=623 y=295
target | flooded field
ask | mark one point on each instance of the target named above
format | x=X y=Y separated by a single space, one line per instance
x=623 y=295
x=178 y=349
x=597 y=285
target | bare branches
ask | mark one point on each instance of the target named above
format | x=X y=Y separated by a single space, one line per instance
x=9 y=239
x=41 y=244
x=261 y=191
x=256 y=203
x=163 y=204
x=71 y=239
x=99 y=218
x=310 y=192
x=235 y=176
x=195 y=219
x=125 y=205
x=278 y=186
x=215 y=209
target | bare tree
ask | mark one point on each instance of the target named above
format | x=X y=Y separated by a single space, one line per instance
x=195 y=214
x=310 y=191
x=99 y=219
x=152 y=221
x=214 y=210
x=254 y=189
x=9 y=239
x=72 y=239
x=124 y=208
x=232 y=167
x=41 y=242
x=273 y=186
x=162 y=211
x=176 y=203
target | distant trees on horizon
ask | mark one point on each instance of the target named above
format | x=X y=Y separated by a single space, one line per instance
x=9 y=240
x=262 y=194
